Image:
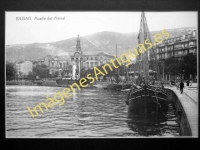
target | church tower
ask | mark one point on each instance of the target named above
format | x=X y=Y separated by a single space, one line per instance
x=78 y=57
x=78 y=45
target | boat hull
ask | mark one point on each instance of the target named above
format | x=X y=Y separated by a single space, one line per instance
x=147 y=102
x=118 y=86
x=65 y=82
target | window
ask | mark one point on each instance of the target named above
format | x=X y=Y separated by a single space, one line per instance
x=191 y=51
x=191 y=43
x=157 y=50
x=180 y=53
x=92 y=65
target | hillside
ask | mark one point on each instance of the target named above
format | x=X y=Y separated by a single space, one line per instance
x=101 y=41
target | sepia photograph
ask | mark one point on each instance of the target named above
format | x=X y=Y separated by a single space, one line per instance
x=101 y=74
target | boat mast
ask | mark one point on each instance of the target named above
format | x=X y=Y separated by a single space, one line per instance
x=153 y=57
x=117 y=68
x=144 y=69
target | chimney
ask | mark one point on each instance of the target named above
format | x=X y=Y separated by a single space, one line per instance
x=194 y=33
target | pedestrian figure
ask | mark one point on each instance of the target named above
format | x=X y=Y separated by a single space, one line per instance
x=181 y=86
x=188 y=82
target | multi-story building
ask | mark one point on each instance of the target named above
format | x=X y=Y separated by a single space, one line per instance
x=177 y=46
x=55 y=63
x=88 y=60
x=91 y=59
x=24 y=67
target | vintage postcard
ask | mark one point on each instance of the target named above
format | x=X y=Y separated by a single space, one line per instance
x=101 y=74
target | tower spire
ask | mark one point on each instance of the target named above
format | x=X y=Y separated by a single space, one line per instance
x=78 y=46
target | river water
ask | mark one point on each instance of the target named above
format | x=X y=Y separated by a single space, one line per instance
x=87 y=113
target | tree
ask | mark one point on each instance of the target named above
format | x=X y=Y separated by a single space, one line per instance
x=30 y=75
x=190 y=64
x=56 y=74
x=172 y=65
x=40 y=70
x=10 y=70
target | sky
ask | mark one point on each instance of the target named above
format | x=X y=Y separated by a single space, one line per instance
x=27 y=31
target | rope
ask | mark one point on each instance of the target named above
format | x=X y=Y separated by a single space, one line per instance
x=158 y=104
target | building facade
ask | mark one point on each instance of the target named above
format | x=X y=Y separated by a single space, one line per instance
x=82 y=60
x=176 y=46
x=24 y=67
x=88 y=60
x=55 y=63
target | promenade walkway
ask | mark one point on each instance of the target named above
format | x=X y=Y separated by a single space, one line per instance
x=189 y=101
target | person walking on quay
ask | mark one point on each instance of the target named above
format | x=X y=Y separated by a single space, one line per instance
x=181 y=87
x=188 y=82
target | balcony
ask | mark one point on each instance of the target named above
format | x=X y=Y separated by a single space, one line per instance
x=192 y=45
x=192 y=38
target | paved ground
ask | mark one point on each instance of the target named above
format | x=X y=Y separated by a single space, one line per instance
x=189 y=101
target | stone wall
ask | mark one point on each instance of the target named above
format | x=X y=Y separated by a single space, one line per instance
x=185 y=129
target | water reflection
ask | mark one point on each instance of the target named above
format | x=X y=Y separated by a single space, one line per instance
x=154 y=125
x=87 y=113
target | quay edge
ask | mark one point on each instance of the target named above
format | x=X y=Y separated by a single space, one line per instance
x=189 y=117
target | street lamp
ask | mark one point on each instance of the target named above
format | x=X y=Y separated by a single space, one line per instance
x=182 y=75
x=163 y=70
